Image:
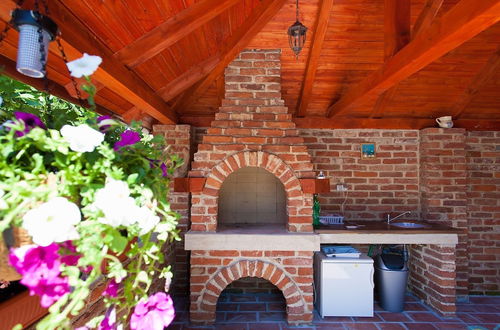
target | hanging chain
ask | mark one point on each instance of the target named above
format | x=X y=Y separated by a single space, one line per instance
x=73 y=80
x=297 y=10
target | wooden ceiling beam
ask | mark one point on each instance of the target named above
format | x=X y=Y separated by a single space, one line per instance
x=171 y=31
x=397 y=23
x=324 y=13
x=489 y=70
x=426 y=17
x=188 y=78
x=462 y=22
x=76 y=39
x=231 y=47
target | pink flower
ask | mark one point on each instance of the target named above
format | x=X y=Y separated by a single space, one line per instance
x=157 y=312
x=127 y=138
x=40 y=270
x=111 y=289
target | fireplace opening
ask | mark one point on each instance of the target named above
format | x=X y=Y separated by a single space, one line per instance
x=251 y=295
x=252 y=197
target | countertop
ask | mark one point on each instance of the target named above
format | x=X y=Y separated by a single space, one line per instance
x=379 y=232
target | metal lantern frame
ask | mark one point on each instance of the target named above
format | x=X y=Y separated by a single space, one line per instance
x=297 y=33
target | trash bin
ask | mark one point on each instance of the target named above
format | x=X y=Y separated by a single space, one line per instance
x=391 y=275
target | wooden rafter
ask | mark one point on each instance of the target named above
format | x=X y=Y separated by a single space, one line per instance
x=397 y=21
x=188 y=78
x=312 y=62
x=462 y=22
x=260 y=15
x=478 y=81
x=426 y=17
x=76 y=39
x=171 y=31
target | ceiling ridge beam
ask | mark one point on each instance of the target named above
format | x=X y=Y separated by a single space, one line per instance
x=461 y=23
x=232 y=47
x=312 y=61
x=426 y=17
x=489 y=69
x=76 y=39
x=397 y=30
x=188 y=78
x=172 y=30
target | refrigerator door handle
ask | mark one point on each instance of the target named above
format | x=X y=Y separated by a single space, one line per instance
x=371 y=277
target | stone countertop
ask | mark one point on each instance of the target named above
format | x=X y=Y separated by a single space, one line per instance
x=379 y=232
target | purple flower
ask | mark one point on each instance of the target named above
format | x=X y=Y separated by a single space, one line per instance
x=157 y=312
x=164 y=169
x=40 y=270
x=111 y=289
x=103 y=127
x=128 y=137
x=109 y=321
x=30 y=121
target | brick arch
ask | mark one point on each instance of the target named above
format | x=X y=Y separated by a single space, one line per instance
x=264 y=160
x=295 y=303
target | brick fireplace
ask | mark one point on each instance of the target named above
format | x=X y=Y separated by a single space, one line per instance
x=252 y=133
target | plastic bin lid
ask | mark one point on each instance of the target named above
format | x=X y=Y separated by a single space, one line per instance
x=391 y=262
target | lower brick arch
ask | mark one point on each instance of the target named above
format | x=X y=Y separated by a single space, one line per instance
x=203 y=310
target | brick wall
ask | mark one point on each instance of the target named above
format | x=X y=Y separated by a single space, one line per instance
x=180 y=141
x=483 y=211
x=385 y=184
x=289 y=271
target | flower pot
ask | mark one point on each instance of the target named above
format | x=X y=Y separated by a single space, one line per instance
x=15 y=237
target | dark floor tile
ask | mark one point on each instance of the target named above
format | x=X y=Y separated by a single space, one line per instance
x=466 y=308
x=272 y=316
x=174 y=326
x=334 y=319
x=424 y=317
x=333 y=326
x=276 y=307
x=253 y=307
x=420 y=326
x=360 y=326
x=235 y=326
x=391 y=326
x=374 y=318
x=394 y=317
x=488 y=317
x=487 y=308
x=241 y=317
x=414 y=307
x=483 y=326
x=484 y=300
x=301 y=327
x=467 y=317
x=451 y=326
x=264 y=326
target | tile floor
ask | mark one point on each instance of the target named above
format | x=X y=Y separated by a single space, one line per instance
x=267 y=312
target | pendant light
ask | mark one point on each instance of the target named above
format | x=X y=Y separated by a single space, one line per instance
x=297 y=33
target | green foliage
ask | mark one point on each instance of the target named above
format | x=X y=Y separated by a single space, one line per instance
x=41 y=165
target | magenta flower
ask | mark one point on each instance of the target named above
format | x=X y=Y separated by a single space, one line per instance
x=163 y=167
x=30 y=121
x=157 y=312
x=70 y=256
x=128 y=137
x=40 y=270
x=111 y=289
x=109 y=321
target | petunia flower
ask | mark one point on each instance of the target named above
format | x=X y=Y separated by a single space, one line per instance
x=128 y=137
x=114 y=201
x=84 y=66
x=146 y=219
x=157 y=312
x=111 y=289
x=82 y=138
x=109 y=321
x=105 y=122
x=163 y=168
x=30 y=121
x=53 y=221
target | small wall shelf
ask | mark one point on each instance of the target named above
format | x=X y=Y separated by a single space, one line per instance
x=189 y=184
x=315 y=186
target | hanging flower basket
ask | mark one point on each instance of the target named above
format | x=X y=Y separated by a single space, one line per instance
x=17 y=237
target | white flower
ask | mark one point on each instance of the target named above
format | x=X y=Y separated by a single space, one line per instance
x=3 y=203
x=52 y=221
x=84 y=66
x=1 y=100
x=146 y=219
x=115 y=202
x=82 y=138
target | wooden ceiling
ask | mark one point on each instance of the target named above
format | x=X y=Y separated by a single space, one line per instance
x=366 y=63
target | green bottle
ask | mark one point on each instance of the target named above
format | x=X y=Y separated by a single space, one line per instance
x=316 y=211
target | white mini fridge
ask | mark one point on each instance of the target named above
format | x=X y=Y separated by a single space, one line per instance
x=344 y=286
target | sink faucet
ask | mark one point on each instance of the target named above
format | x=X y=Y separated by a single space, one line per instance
x=389 y=219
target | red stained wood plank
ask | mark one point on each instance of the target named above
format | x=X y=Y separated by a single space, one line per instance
x=462 y=22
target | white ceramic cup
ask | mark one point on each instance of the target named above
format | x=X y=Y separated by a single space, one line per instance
x=445 y=122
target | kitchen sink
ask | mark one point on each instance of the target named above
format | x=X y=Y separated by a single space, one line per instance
x=408 y=225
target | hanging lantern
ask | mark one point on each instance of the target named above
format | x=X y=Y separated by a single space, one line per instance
x=297 y=34
x=35 y=32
